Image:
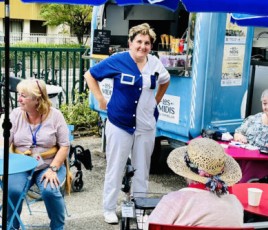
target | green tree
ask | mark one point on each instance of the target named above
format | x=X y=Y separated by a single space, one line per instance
x=78 y=17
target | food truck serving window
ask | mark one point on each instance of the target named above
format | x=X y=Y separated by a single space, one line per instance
x=171 y=28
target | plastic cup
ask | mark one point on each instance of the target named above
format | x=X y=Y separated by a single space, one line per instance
x=254 y=196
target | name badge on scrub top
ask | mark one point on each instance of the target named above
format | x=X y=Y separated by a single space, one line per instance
x=36 y=155
x=127 y=79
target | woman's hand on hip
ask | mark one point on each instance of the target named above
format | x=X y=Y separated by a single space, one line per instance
x=103 y=104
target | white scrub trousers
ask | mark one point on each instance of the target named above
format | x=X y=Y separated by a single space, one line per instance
x=120 y=145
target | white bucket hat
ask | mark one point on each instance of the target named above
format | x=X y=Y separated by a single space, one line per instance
x=202 y=160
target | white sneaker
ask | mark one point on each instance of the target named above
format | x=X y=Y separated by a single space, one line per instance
x=110 y=217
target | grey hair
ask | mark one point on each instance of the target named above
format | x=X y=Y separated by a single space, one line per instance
x=264 y=94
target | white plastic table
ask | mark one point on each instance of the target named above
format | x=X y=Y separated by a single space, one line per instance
x=17 y=163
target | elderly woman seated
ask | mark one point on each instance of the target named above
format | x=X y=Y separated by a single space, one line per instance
x=39 y=130
x=206 y=201
x=254 y=131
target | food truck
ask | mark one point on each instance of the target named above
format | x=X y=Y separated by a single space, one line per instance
x=208 y=57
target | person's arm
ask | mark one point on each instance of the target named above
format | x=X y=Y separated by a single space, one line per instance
x=240 y=138
x=240 y=132
x=161 y=91
x=62 y=135
x=60 y=157
x=95 y=89
x=51 y=176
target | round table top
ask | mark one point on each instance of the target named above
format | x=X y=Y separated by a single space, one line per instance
x=17 y=163
x=240 y=190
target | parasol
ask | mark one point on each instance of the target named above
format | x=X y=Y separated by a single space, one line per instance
x=249 y=20
x=227 y=6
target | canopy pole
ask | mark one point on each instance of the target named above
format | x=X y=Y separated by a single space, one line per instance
x=6 y=123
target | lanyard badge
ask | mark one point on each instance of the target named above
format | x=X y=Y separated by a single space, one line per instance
x=33 y=147
x=36 y=155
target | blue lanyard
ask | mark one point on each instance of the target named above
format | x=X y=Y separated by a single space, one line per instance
x=34 y=142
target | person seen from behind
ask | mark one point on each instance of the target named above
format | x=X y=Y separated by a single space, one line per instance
x=139 y=82
x=206 y=201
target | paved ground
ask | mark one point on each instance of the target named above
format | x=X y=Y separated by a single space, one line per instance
x=85 y=207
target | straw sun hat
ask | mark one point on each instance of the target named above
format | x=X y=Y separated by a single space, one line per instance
x=208 y=156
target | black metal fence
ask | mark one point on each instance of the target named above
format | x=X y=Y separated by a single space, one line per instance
x=64 y=67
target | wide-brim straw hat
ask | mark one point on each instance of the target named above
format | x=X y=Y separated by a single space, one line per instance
x=208 y=156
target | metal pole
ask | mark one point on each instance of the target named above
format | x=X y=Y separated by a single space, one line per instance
x=250 y=90
x=6 y=124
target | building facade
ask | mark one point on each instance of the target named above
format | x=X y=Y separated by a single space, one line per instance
x=26 y=25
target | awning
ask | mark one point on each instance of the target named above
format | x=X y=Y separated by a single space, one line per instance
x=258 y=7
x=249 y=20
x=169 y=4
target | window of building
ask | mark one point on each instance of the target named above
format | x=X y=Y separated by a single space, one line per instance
x=37 y=27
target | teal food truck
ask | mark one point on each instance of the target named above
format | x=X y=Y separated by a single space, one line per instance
x=208 y=57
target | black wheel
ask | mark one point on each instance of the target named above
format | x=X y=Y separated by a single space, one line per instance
x=125 y=223
x=77 y=184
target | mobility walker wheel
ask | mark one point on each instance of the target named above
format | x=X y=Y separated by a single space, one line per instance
x=77 y=183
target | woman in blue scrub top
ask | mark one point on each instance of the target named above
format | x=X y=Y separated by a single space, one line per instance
x=139 y=82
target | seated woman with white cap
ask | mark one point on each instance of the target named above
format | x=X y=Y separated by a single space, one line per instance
x=206 y=201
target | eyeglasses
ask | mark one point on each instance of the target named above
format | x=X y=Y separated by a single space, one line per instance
x=39 y=88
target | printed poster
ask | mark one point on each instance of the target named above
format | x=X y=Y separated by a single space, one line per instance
x=233 y=56
x=169 y=109
x=232 y=66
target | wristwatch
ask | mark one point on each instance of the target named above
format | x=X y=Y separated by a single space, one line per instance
x=53 y=168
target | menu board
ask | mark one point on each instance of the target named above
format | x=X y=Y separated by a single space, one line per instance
x=101 y=41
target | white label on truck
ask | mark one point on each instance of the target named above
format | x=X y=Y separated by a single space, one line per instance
x=169 y=109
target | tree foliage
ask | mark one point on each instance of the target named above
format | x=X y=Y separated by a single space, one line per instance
x=78 y=17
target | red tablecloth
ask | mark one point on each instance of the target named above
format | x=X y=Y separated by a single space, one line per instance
x=240 y=190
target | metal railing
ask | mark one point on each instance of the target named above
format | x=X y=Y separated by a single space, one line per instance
x=57 y=66
x=19 y=37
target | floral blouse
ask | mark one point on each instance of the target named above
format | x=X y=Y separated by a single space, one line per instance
x=255 y=131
